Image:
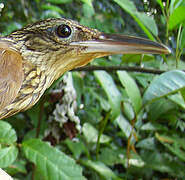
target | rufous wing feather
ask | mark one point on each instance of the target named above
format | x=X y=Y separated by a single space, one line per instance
x=11 y=73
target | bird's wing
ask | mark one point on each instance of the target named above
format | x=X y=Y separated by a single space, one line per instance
x=11 y=73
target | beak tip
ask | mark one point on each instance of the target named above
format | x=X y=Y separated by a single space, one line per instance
x=168 y=50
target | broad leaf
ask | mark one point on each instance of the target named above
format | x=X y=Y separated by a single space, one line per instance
x=140 y=18
x=52 y=163
x=165 y=84
x=177 y=17
x=7 y=134
x=7 y=156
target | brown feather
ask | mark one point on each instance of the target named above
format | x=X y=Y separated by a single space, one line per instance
x=11 y=73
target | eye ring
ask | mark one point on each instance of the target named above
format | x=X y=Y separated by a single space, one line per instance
x=63 y=31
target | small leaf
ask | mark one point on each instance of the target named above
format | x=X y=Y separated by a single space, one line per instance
x=52 y=163
x=177 y=17
x=7 y=134
x=8 y=156
x=165 y=84
x=131 y=89
x=111 y=90
x=91 y=134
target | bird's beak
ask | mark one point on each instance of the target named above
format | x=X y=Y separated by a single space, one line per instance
x=107 y=44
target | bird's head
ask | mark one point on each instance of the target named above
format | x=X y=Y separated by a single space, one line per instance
x=61 y=45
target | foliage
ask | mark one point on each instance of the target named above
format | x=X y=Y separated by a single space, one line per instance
x=132 y=124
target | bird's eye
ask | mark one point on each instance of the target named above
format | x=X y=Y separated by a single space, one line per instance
x=63 y=31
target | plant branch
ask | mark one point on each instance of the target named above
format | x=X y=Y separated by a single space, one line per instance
x=122 y=68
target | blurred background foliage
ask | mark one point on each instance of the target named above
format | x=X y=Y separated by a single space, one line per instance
x=117 y=125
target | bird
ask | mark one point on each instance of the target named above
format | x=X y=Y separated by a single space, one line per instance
x=33 y=57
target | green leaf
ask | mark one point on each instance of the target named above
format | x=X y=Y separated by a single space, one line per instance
x=148 y=143
x=163 y=162
x=165 y=84
x=77 y=148
x=130 y=8
x=182 y=92
x=53 y=8
x=174 y=144
x=52 y=163
x=124 y=125
x=101 y=168
x=7 y=134
x=91 y=134
x=8 y=156
x=153 y=126
x=161 y=4
x=160 y=107
x=19 y=166
x=111 y=157
x=182 y=38
x=59 y=1
x=136 y=58
x=88 y=10
x=177 y=17
x=131 y=89
x=178 y=99
x=111 y=90
x=148 y=21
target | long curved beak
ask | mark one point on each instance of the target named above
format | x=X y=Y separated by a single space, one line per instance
x=108 y=44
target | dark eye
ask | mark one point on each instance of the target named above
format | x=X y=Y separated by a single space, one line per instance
x=63 y=31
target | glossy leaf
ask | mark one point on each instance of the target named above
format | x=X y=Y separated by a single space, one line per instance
x=148 y=143
x=165 y=84
x=111 y=90
x=7 y=134
x=136 y=58
x=124 y=125
x=153 y=126
x=7 y=156
x=52 y=163
x=91 y=134
x=101 y=168
x=140 y=18
x=177 y=17
x=178 y=99
x=131 y=89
